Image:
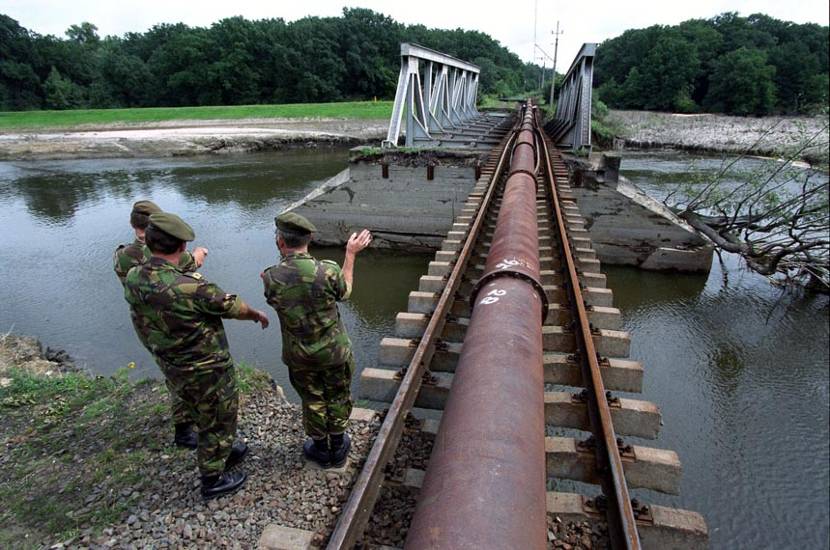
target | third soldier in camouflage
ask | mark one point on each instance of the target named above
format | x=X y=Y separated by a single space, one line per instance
x=304 y=292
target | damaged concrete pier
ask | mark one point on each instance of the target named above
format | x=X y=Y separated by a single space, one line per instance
x=409 y=199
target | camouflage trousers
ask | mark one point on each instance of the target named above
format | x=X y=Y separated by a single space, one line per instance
x=326 y=395
x=211 y=400
x=178 y=410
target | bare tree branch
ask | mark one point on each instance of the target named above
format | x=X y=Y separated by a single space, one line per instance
x=777 y=218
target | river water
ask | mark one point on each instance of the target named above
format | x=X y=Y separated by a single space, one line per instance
x=740 y=371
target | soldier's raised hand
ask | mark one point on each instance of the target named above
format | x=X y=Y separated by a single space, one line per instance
x=358 y=241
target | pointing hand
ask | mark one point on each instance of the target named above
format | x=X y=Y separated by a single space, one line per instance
x=261 y=318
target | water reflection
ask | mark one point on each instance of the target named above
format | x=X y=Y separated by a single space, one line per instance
x=739 y=369
x=251 y=184
x=54 y=191
x=641 y=288
x=661 y=173
x=55 y=198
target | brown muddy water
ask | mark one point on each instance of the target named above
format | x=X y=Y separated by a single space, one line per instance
x=740 y=371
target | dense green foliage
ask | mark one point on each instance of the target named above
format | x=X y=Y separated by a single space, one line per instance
x=739 y=65
x=234 y=62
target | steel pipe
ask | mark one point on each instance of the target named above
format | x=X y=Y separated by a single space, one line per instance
x=485 y=484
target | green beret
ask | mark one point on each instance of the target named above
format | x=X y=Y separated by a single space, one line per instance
x=172 y=225
x=289 y=221
x=146 y=207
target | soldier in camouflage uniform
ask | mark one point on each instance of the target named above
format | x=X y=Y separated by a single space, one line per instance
x=178 y=317
x=304 y=292
x=126 y=257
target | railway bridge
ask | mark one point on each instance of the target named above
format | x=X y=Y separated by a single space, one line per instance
x=508 y=366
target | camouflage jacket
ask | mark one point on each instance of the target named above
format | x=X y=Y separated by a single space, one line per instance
x=178 y=315
x=127 y=256
x=304 y=292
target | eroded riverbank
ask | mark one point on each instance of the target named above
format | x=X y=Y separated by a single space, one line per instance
x=711 y=133
x=186 y=138
x=766 y=136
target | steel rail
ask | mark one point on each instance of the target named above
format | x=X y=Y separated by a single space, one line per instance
x=358 y=509
x=622 y=524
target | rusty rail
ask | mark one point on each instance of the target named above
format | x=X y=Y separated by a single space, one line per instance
x=622 y=525
x=485 y=484
x=358 y=509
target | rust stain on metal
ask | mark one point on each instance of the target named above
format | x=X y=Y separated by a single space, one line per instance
x=485 y=484
x=622 y=523
x=358 y=508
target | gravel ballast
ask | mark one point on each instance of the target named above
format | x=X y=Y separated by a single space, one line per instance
x=88 y=462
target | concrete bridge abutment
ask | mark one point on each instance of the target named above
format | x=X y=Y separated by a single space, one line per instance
x=413 y=199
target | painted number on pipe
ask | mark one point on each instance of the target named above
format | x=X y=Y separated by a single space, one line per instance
x=492 y=297
x=504 y=264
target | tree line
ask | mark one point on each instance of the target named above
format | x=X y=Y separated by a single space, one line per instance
x=234 y=62
x=754 y=65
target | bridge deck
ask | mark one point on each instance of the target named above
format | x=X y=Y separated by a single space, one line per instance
x=432 y=334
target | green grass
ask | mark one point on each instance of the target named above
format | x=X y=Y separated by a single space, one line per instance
x=95 y=117
x=66 y=437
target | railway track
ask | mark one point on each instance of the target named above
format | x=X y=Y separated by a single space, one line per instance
x=511 y=331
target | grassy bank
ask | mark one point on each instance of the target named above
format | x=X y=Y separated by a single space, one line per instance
x=97 y=117
x=78 y=450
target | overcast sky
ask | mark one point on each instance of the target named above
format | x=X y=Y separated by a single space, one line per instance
x=511 y=23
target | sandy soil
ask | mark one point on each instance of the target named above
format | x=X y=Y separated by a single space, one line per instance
x=767 y=136
x=180 y=138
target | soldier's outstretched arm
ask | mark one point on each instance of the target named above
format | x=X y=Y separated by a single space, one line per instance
x=211 y=299
x=356 y=243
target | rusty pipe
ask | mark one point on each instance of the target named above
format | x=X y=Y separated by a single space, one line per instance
x=485 y=484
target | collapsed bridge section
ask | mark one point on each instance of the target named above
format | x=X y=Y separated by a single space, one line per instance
x=511 y=336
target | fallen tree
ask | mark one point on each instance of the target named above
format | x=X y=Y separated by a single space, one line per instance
x=777 y=218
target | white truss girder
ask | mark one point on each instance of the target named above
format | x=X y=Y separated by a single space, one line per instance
x=436 y=93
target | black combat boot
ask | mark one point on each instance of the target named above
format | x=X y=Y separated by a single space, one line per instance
x=340 y=445
x=318 y=451
x=222 y=484
x=238 y=452
x=185 y=436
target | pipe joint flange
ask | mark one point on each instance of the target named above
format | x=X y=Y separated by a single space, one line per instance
x=516 y=273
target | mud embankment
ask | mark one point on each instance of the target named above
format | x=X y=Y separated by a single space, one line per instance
x=767 y=136
x=186 y=138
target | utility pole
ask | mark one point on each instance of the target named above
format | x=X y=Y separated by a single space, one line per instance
x=555 y=51
x=536 y=44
